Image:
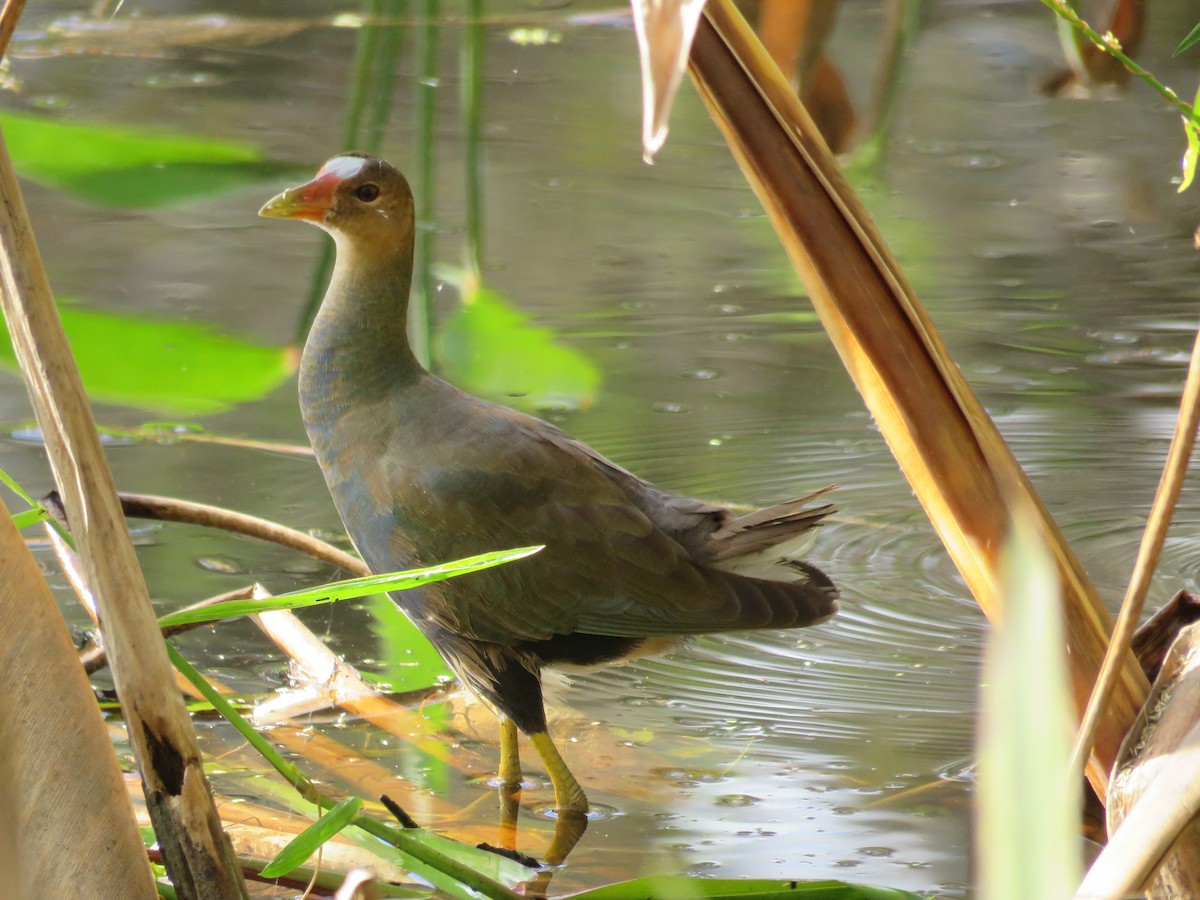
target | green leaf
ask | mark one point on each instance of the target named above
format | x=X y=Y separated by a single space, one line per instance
x=173 y=367
x=411 y=662
x=37 y=513
x=1192 y=133
x=679 y=887
x=11 y=483
x=29 y=517
x=1028 y=801
x=346 y=590
x=113 y=166
x=306 y=843
x=1193 y=38
x=490 y=348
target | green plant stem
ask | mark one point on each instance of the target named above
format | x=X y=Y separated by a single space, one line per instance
x=293 y=775
x=372 y=87
x=426 y=857
x=415 y=847
x=420 y=314
x=1065 y=11
x=472 y=105
x=384 y=80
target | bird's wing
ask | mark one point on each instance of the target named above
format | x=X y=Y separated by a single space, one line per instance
x=606 y=567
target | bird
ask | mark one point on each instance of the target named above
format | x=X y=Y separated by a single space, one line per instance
x=423 y=473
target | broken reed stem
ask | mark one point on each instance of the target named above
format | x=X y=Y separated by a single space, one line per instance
x=200 y=859
x=1170 y=485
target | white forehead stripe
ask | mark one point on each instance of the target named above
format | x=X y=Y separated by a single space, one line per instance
x=344 y=166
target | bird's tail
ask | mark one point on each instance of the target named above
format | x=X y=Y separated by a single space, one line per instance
x=765 y=543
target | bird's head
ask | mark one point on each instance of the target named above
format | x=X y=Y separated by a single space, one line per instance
x=354 y=197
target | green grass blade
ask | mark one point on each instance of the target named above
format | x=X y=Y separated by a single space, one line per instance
x=223 y=707
x=11 y=483
x=37 y=513
x=29 y=517
x=307 y=842
x=1029 y=805
x=1192 y=131
x=346 y=590
x=453 y=868
x=1193 y=38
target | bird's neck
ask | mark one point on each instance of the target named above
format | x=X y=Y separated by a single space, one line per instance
x=357 y=351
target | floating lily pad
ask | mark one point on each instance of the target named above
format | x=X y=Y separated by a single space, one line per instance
x=176 y=368
x=490 y=348
x=115 y=166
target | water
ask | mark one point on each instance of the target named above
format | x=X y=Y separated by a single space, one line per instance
x=1045 y=236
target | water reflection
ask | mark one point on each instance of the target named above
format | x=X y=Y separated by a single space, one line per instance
x=1044 y=235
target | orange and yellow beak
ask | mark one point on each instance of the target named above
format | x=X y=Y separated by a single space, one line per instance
x=309 y=202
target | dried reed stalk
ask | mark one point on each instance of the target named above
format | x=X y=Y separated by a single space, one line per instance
x=198 y=856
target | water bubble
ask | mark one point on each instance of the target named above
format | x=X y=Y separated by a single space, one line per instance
x=222 y=565
x=878 y=852
x=669 y=406
x=737 y=800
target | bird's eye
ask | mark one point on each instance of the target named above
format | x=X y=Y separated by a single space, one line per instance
x=367 y=193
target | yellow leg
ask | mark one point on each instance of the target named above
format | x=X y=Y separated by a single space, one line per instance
x=568 y=795
x=510 y=754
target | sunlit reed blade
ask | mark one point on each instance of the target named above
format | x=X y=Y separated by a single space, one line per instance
x=52 y=725
x=665 y=29
x=953 y=456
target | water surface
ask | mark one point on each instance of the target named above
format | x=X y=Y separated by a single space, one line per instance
x=1044 y=235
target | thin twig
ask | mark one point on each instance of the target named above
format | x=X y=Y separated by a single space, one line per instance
x=171 y=509
x=1169 y=487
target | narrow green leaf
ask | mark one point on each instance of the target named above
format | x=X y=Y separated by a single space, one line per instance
x=417 y=850
x=166 y=366
x=29 y=517
x=306 y=843
x=346 y=590
x=294 y=776
x=24 y=519
x=1193 y=38
x=679 y=887
x=11 y=483
x=455 y=869
x=1192 y=132
x=1028 y=803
